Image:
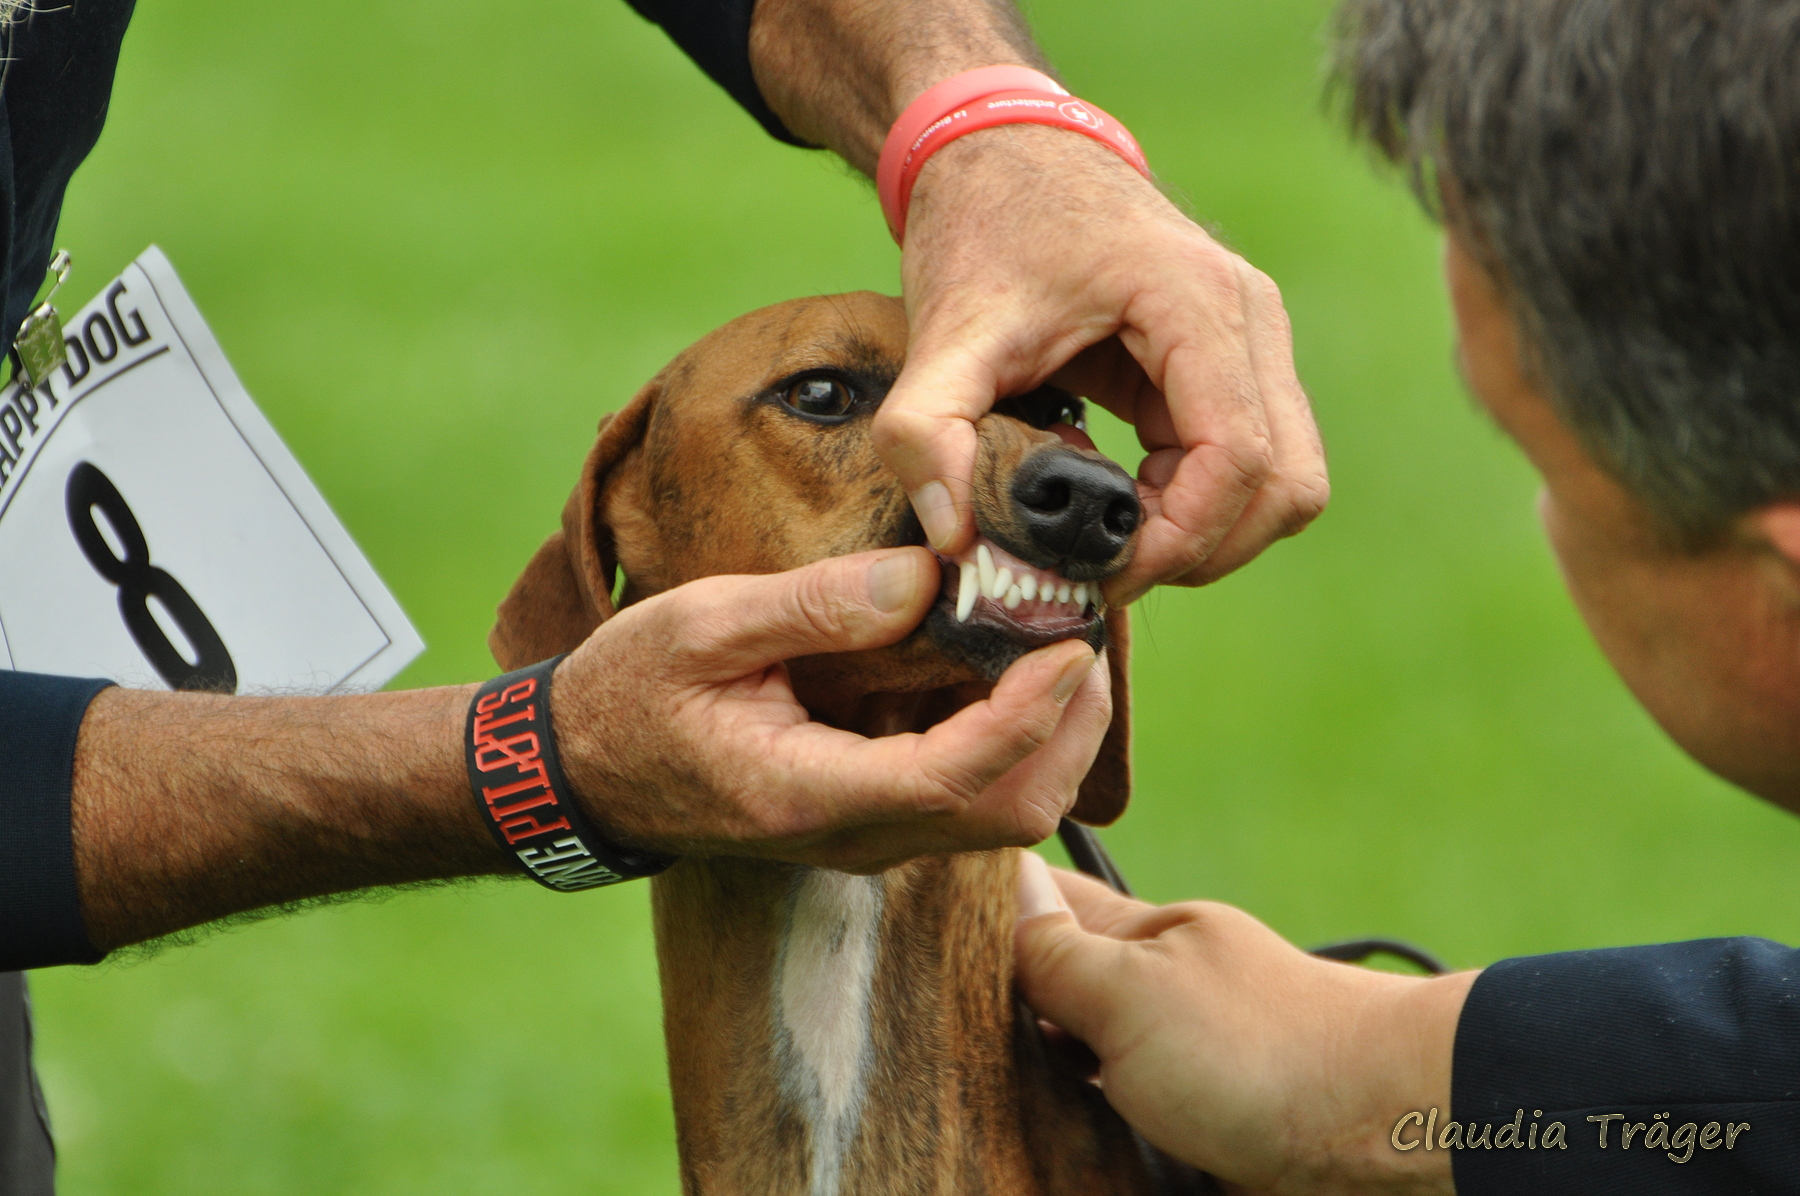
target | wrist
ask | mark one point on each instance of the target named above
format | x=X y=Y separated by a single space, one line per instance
x=1398 y=1062
x=888 y=55
x=977 y=186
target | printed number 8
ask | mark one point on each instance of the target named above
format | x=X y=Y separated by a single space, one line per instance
x=139 y=581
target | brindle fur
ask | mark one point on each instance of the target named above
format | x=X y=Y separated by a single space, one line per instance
x=702 y=474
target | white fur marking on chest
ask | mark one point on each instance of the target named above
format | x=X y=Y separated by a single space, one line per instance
x=822 y=991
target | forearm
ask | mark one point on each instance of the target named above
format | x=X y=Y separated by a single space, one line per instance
x=838 y=72
x=191 y=807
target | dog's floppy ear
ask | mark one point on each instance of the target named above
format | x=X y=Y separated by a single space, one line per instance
x=566 y=589
x=1107 y=789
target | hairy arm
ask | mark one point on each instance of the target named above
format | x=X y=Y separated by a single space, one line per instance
x=191 y=807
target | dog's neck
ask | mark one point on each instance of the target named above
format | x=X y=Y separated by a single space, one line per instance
x=832 y=1034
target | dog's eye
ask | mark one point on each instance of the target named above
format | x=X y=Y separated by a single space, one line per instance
x=821 y=398
x=1044 y=408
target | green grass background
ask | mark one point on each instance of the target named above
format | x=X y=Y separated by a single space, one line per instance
x=439 y=239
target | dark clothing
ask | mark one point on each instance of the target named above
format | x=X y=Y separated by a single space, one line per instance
x=40 y=923
x=716 y=35
x=59 y=73
x=1682 y=1034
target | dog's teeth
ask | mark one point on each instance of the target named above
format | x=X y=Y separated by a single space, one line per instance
x=966 y=592
x=984 y=562
x=1062 y=592
x=1028 y=587
x=1013 y=598
x=1002 y=582
x=1080 y=595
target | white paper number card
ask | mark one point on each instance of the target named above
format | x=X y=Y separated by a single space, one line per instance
x=154 y=528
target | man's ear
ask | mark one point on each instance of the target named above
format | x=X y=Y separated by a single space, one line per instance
x=1107 y=789
x=566 y=589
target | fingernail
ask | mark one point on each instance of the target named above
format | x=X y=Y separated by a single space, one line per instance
x=937 y=514
x=1072 y=676
x=1038 y=893
x=893 y=580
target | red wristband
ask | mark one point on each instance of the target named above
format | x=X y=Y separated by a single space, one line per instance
x=981 y=99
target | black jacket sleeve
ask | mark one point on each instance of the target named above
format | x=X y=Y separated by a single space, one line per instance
x=40 y=920
x=1689 y=1050
x=716 y=35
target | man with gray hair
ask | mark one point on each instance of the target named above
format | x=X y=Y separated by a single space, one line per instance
x=1619 y=183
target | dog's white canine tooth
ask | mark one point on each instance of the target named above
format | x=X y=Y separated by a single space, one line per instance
x=984 y=561
x=1013 y=598
x=1028 y=587
x=966 y=592
x=1002 y=582
x=1080 y=595
x=1062 y=592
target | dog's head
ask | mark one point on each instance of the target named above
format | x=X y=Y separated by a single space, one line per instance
x=751 y=453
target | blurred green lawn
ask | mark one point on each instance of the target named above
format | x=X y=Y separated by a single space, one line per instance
x=438 y=244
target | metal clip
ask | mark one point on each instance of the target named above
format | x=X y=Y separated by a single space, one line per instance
x=38 y=349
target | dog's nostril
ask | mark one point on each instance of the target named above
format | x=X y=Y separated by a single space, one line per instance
x=1049 y=495
x=1075 y=507
x=1121 y=517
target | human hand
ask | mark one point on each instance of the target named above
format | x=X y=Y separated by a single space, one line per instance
x=1231 y=1049
x=677 y=723
x=1033 y=255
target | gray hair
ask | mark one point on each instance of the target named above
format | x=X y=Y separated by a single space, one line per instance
x=1629 y=170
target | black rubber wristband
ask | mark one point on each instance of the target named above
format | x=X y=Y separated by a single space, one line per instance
x=524 y=799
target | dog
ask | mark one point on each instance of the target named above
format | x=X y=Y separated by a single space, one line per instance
x=831 y=1034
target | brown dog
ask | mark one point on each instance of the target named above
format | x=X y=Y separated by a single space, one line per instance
x=832 y=1034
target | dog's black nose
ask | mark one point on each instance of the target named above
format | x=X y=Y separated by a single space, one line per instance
x=1075 y=507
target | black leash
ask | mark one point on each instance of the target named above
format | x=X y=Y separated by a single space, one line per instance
x=1171 y=1176
x=1088 y=856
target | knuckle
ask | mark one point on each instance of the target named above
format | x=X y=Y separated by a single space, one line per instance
x=896 y=422
x=1250 y=460
x=1038 y=819
x=1262 y=287
x=817 y=606
x=1208 y=925
x=1310 y=497
x=695 y=634
x=946 y=788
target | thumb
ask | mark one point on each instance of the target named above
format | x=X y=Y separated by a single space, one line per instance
x=730 y=627
x=1065 y=974
x=925 y=432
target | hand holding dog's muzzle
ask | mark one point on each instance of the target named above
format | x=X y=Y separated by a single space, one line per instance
x=680 y=728
x=1033 y=256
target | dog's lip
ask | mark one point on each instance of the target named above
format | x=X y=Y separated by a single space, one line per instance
x=1059 y=609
